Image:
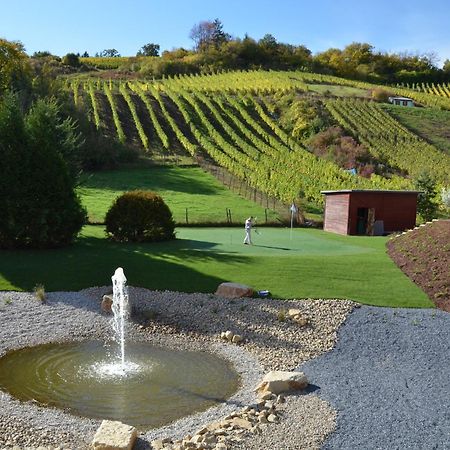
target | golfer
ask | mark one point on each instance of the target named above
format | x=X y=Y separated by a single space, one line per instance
x=248 y=231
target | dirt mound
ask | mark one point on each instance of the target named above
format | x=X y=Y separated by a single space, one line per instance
x=423 y=255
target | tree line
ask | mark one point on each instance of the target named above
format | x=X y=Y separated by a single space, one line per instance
x=214 y=49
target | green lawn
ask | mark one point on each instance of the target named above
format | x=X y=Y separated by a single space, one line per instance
x=311 y=264
x=204 y=197
x=338 y=91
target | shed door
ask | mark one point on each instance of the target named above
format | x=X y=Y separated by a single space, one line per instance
x=361 y=220
x=365 y=221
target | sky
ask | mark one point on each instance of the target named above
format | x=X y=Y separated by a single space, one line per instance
x=61 y=27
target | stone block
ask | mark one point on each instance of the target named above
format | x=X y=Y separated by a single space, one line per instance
x=234 y=290
x=107 y=302
x=279 y=381
x=114 y=435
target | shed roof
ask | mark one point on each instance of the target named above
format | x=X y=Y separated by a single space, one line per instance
x=401 y=98
x=346 y=191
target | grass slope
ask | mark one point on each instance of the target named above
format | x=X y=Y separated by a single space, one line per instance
x=180 y=187
x=312 y=264
x=432 y=124
x=338 y=91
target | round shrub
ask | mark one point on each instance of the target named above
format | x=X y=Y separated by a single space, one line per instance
x=139 y=216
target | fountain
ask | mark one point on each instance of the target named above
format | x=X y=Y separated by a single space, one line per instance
x=141 y=384
x=120 y=309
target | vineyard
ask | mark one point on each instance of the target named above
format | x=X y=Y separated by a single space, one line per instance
x=224 y=118
x=441 y=90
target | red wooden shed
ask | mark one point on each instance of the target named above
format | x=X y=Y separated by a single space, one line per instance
x=367 y=212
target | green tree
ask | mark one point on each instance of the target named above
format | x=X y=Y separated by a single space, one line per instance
x=219 y=36
x=110 y=53
x=208 y=33
x=39 y=206
x=14 y=67
x=71 y=59
x=427 y=204
x=41 y=54
x=149 y=49
x=446 y=67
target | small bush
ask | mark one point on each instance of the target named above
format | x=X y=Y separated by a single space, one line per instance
x=39 y=292
x=381 y=95
x=282 y=315
x=139 y=216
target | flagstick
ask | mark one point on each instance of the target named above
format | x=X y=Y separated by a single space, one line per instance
x=292 y=222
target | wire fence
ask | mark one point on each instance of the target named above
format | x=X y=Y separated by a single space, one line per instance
x=243 y=189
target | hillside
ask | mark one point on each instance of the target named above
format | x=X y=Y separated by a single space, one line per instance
x=259 y=125
x=423 y=255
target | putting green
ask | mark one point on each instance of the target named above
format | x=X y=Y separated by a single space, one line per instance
x=275 y=242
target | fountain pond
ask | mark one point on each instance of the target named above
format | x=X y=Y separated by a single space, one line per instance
x=134 y=382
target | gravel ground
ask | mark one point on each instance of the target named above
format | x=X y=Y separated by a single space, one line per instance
x=389 y=380
x=191 y=321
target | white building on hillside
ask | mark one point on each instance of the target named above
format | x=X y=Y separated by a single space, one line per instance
x=401 y=101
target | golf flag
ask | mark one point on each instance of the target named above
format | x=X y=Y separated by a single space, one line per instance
x=293 y=209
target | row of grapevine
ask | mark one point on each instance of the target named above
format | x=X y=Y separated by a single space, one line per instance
x=112 y=104
x=137 y=122
x=439 y=89
x=155 y=122
x=91 y=92
x=387 y=139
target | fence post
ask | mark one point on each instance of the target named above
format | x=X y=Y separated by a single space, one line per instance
x=187 y=218
x=265 y=212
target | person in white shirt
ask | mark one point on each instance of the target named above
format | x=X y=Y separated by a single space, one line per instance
x=248 y=231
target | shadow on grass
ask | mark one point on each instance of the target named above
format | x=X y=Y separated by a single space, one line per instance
x=154 y=178
x=92 y=260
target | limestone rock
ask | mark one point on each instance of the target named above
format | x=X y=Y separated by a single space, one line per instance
x=293 y=312
x=279 y=381
x=157 y=444
x=300 y=320
x=112 y=435
x=234 y=290
x=241 y=423
x=229 y=335
x=106 y=305
x=296 y=316
x=236 y=339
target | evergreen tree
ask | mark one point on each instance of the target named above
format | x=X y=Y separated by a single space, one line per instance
x=40 y=208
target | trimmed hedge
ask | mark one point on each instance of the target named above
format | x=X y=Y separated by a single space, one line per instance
x=139 y=216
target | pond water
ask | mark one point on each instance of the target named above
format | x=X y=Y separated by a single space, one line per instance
x=159 y=386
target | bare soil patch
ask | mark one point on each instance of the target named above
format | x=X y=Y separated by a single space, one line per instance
x=423 y=255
